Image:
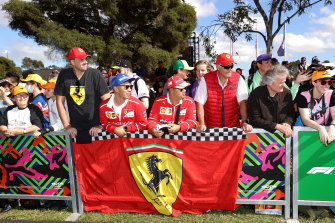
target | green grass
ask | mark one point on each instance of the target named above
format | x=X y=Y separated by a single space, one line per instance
x=242 y=214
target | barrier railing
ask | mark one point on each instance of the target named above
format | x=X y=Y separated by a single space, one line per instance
x=39 y=169
x=265 y=176
x=313 y=170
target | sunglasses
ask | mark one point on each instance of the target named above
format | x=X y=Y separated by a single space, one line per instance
x=227 y=67
x=180 y=89
x=324 y=82
x=127 y=86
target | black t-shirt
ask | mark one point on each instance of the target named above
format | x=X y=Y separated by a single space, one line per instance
x=160 y=71
x=83 y=96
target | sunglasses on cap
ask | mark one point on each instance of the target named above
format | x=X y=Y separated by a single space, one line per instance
x=227 y=67
x=324 y=82
x=180 y=89
x=127 y=86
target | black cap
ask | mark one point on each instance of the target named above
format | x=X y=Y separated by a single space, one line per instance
x=125 y=64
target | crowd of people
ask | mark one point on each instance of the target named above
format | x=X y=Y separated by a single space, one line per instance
x=84 y=101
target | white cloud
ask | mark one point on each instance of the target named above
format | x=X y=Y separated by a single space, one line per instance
x=204 y=8
x=3 y=15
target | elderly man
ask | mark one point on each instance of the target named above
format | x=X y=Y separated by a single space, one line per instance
x=270 y=105
x=140 y=90
x=175 y=109
x=84 y=89
x=221 y=97
x=122 y=112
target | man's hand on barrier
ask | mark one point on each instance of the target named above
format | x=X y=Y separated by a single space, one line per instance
x=71 y=131
x=174 y=128
x=285 y=129
x=119 y=131
x=36 y=134
x=95 y=130
x=201 y=128
x=247 y=128
x=323 y=135
x=157 y=133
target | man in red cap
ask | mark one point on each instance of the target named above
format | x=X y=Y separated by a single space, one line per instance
x=174 y=112
x=221 y=97
x=84 y=89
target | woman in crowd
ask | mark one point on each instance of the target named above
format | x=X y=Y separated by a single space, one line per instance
x=202 y=67
x=270 y=105
x=317 y=106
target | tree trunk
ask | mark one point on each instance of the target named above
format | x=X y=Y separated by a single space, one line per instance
x=269 y=46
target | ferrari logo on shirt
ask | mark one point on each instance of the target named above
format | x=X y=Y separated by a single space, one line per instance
x=125 y=112
x=77 y=94
x=129 y=114
x=111 y=115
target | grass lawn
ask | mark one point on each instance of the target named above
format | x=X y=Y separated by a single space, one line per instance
x=242 y=214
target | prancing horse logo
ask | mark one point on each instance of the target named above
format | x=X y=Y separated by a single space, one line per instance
x=158 y=175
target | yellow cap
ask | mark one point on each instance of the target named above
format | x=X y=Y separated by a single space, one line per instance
x=323 y=74
x=19 y=89
x=34 y=77
x=50 y=85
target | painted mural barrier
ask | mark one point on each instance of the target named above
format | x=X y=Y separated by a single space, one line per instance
x=36 y=168
x=265 y=172
x=313 y=170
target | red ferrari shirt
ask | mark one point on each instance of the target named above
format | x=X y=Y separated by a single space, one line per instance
x=164 y=112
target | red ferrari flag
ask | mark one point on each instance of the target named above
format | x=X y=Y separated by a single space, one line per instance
x=186 y=172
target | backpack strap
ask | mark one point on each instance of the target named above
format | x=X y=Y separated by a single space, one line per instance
x=135 y=85
x=176 y=120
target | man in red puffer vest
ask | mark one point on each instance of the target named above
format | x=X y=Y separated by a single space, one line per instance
x=221 y=97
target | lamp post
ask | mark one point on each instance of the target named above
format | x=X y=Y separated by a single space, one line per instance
x=6 y=52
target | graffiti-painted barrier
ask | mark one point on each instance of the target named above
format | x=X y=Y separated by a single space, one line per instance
x=37 y=168
x=265 y=176
x=313 y=170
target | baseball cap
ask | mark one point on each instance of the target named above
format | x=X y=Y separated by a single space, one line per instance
x=224 y=59
x=119 y=79
x=125 y=64
x=3 y=82
x=34 y=77
x=50 y=85
x=176 y=82
x=318 y=75
x=19 y=89
x=182 y=64
x=78 y=53
x=266 y=57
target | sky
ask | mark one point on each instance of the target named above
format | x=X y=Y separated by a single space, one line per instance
x=311 y=34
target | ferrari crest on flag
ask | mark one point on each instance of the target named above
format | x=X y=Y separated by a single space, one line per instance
x=158 y=174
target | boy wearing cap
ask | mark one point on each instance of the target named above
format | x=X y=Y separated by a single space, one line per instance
x=122 y=113
x=4 y=93
x=83 y=88
x=22 y=117
x=174 y=109
x=140 y=89
x=181 y=69
x=317 y=106
x=33 y=85
x=55 y=121
x=221 y=97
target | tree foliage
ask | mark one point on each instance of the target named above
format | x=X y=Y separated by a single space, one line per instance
x=30 y=64
x=241 y=19
x=7 y=65
x=109 y=29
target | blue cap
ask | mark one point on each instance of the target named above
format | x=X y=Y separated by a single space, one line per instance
x=266 y=57
x=119 y=79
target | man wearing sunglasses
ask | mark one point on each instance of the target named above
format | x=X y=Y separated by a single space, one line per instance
x=221 y=97
x=317 y=106
x=175 y=109
x=83 y=88
x=140 y=90
x=122 y=113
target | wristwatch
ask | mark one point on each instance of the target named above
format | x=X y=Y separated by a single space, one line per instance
x=125 y=128
x=24 y=131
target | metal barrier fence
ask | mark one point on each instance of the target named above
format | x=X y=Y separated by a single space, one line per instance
x=39 y=169
x=313 y=170
x=264 y=187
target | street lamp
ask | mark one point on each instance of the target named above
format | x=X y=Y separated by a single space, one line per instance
x=6 y=52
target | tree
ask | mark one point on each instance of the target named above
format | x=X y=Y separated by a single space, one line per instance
x=293 y=67
x=28 y=63
x=6 y=66
x=109 y=30
x=239 y=20
x=326 y=61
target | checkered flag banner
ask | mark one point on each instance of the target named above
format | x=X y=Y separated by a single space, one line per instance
x=211 y=134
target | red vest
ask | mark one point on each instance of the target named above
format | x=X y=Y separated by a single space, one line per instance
x=213 y=106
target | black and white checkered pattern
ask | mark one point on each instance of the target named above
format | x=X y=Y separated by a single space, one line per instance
x=212 y=134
